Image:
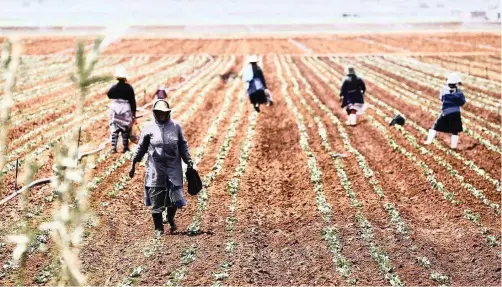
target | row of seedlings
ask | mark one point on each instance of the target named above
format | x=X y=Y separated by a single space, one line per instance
x=378 y=254
x=194 y=228
x=443 y=162
x=430 y=175
x=54 y=138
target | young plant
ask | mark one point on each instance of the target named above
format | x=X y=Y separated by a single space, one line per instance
x=10 y=58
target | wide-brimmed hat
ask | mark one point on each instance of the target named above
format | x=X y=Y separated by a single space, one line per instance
x=161 y=105
x=121 y=73
x=253 y=59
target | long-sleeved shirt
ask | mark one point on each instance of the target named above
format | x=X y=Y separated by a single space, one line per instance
x=123 y=90
x=166 y=146
x=352 y=90
x=452 y=100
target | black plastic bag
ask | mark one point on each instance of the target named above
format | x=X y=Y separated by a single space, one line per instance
x=398 y=119
x=194 y=181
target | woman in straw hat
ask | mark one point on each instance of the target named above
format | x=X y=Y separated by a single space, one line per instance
x=163 y=141
x=352 y=95
x=257 y=87
x=449 y=121
x=122 y=109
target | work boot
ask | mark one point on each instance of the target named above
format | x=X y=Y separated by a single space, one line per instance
x=172 y=225
x=157 y=222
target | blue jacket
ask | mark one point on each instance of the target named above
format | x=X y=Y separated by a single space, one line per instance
x=452 y=101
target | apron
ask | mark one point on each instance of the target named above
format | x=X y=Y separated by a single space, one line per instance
x=120 y=115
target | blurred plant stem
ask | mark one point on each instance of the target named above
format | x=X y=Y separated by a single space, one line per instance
x=71 y=209
x=10 y=57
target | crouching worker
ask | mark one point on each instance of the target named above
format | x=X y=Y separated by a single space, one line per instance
x=122 y=109
x=161 y=92
x=163 y=141
x=257 y=86
x=352 y=95
x=449 y=120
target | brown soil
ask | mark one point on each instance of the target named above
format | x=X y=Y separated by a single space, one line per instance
x=278 y=230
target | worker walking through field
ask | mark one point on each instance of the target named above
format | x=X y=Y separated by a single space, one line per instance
x=163 y=141
x=122 y=109
x=352 y=95
x=449 y=121
x=257 y=86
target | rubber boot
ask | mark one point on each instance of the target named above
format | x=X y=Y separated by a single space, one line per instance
x=171 y=212
x=430 y=137
x=157 y=222
x=454 y=141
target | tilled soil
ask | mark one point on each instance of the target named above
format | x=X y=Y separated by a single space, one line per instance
x=406 y=186
x=278 y=229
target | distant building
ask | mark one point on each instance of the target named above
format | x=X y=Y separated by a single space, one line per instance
x=478 y=15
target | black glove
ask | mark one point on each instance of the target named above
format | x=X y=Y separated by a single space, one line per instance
x=190 y=164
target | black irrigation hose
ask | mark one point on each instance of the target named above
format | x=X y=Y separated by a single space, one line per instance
x=32 y=184
x=101 y=146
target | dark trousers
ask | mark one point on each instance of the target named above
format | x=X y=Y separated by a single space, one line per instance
x=258 y=97
x=159 y=198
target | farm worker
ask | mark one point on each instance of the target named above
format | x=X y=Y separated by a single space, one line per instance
x=257 y=86
x=352 y=95
x=161 y=92
x=163 y=141
x=122 y=109
x=449 y=120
